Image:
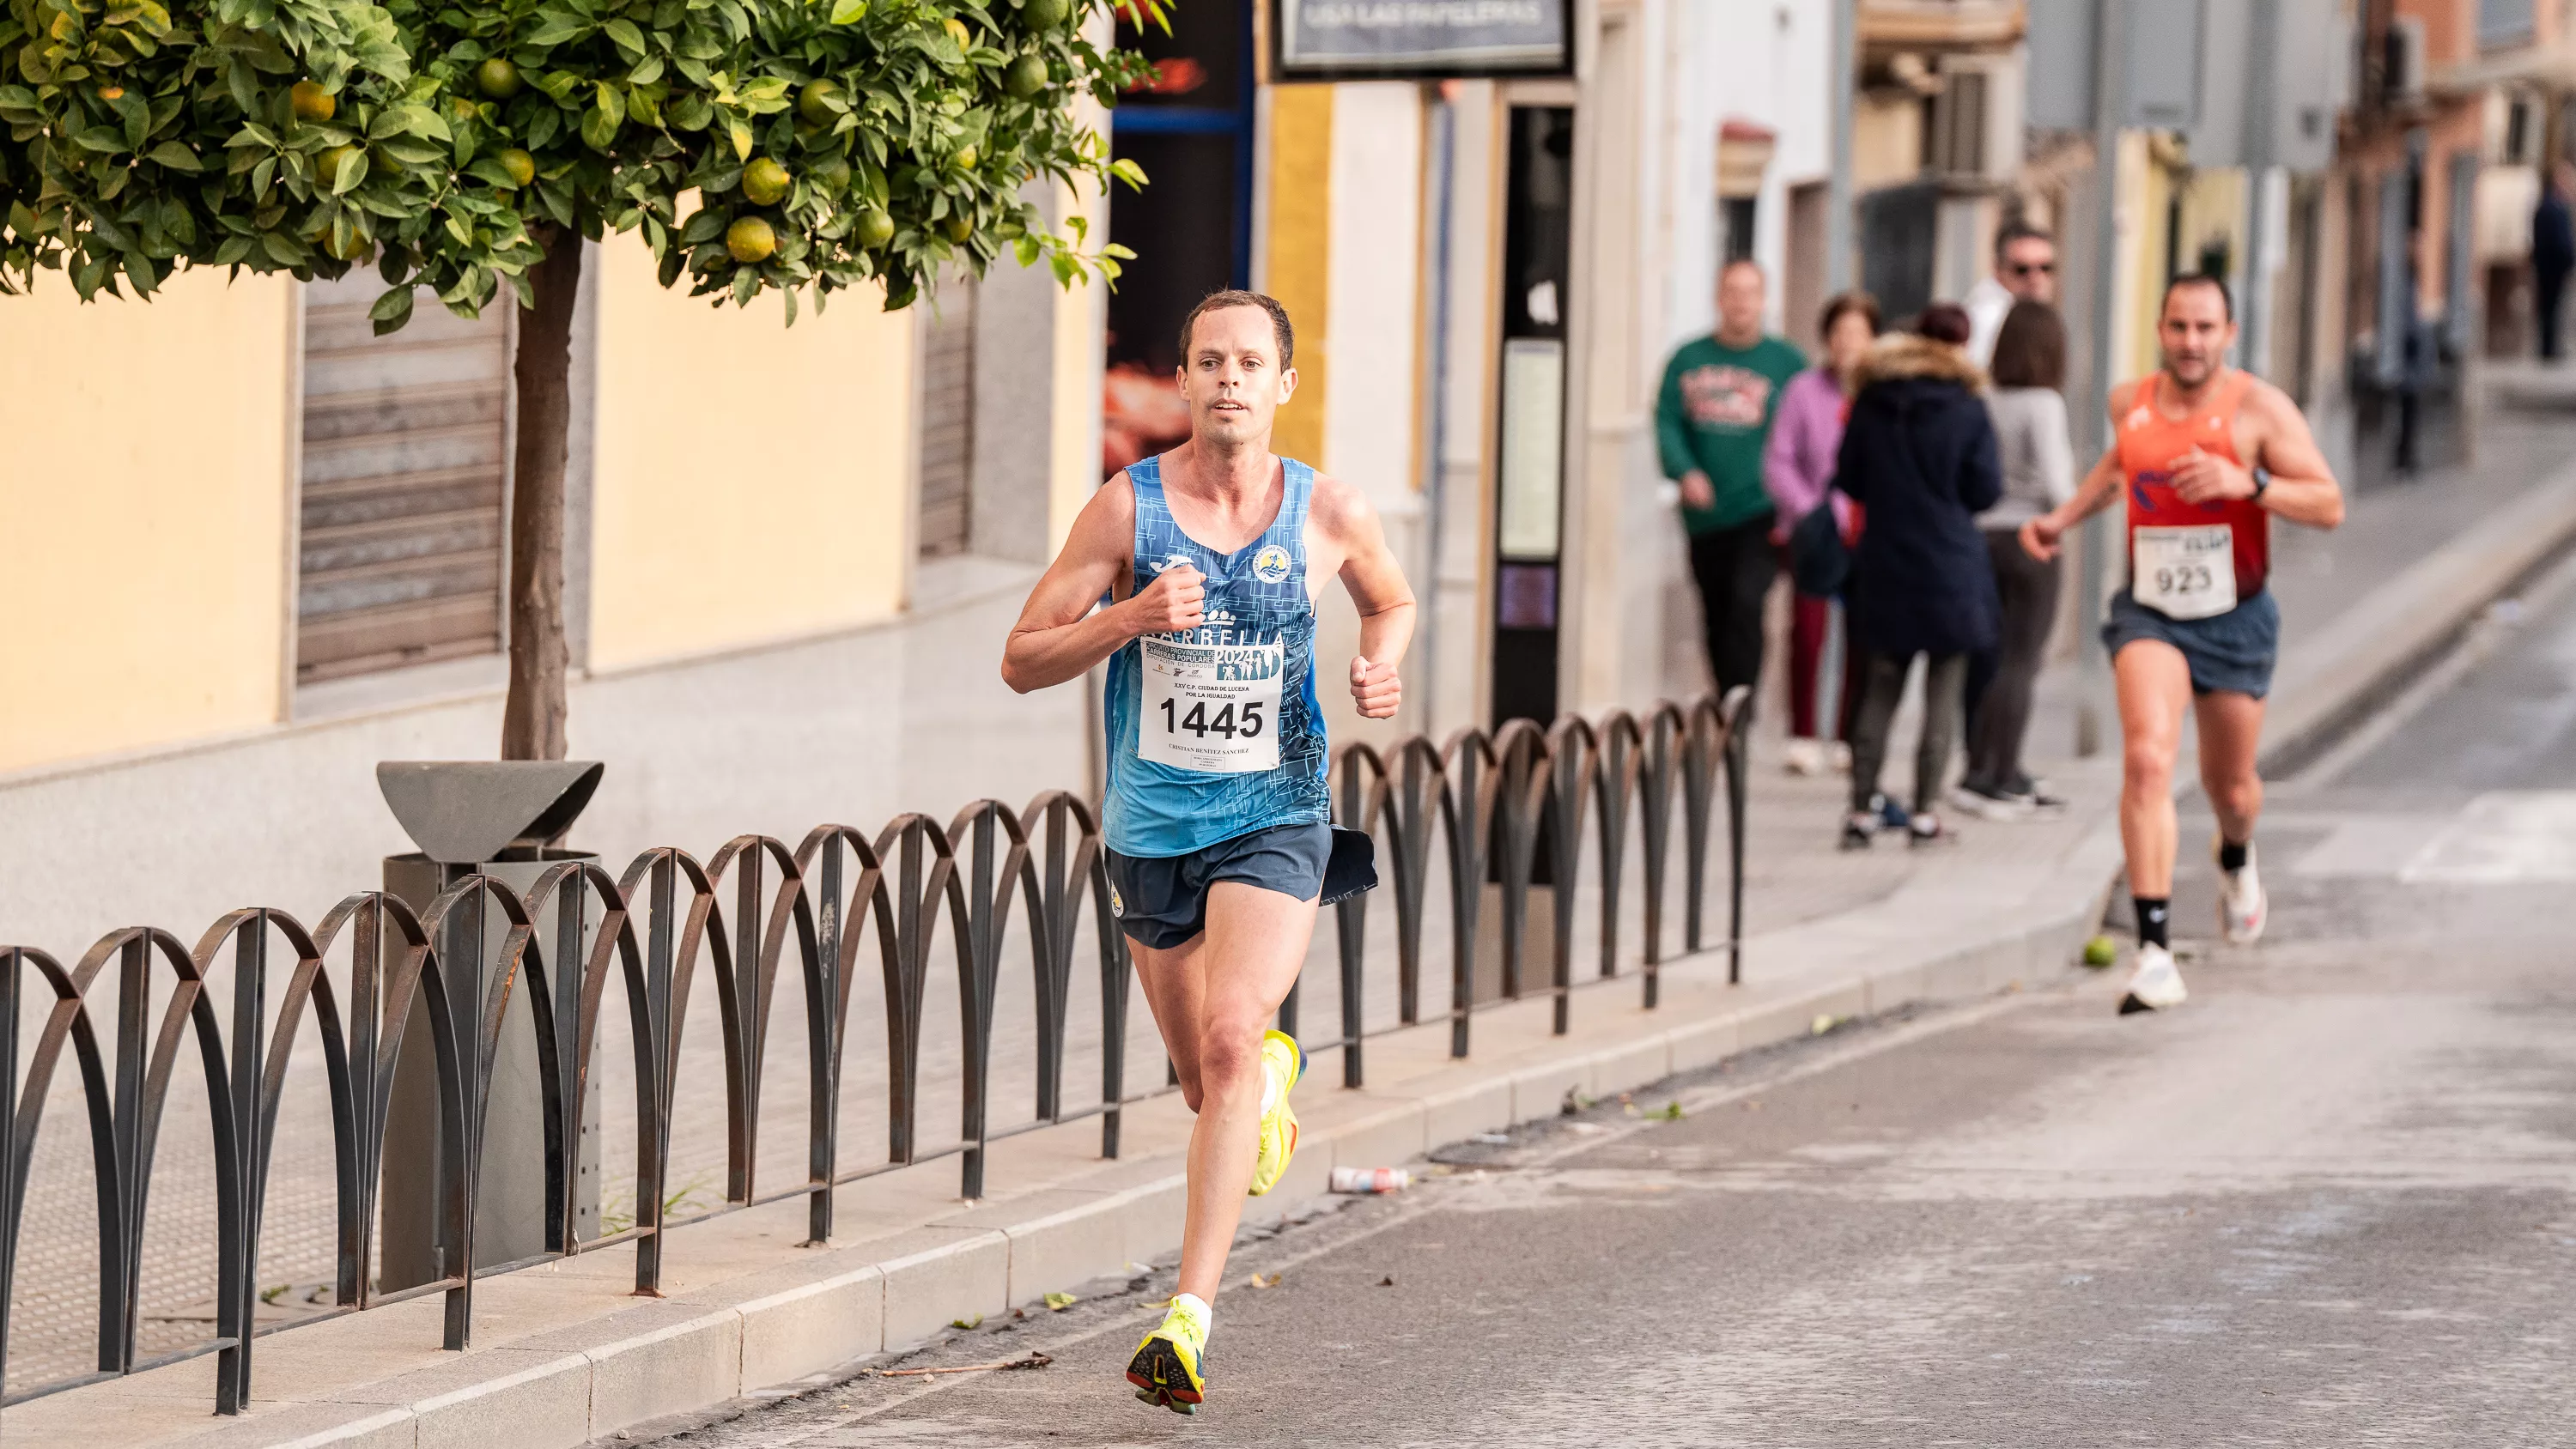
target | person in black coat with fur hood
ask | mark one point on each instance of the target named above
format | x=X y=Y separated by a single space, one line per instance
x=1919 y=457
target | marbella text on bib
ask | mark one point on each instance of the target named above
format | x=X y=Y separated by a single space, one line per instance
x=1213 y=708
x=2184 y=573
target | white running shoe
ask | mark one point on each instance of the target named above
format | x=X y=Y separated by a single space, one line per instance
x=2242 y=906
x=2156 y=984
x=1805 y=757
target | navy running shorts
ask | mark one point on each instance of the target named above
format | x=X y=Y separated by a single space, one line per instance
x=2230 y=653
x=1161 y=901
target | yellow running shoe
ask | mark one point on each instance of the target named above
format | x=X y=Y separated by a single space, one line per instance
x=1280 y=1055
x=1168 y=1364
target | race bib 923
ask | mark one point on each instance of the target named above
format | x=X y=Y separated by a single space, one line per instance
x=2184 y=573
x=1213 y=708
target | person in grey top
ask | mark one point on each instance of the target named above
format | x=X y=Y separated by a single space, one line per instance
x=2038 y=457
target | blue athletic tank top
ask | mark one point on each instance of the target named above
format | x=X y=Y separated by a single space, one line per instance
x=1214 y=732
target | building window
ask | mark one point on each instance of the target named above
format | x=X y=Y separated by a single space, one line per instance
x=2504 y=22
x=947 y=417
x=2518 y=118
x=406 y=449
x=1954 y=138
x=1735 y=213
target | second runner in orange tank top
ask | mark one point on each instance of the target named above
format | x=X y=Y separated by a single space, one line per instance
x=2176 y=548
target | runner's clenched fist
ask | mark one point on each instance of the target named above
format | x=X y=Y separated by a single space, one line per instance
x=1375 y=689
x=1172 y=602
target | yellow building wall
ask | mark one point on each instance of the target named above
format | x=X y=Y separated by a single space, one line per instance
x=752 y=481
x=1300 y=247
x=143 y=506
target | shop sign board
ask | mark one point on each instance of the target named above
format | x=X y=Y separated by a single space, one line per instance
x=1421 y=39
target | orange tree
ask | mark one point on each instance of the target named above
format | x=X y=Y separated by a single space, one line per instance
x=468 y=147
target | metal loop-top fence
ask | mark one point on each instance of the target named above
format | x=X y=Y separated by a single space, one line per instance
x=1504 y=809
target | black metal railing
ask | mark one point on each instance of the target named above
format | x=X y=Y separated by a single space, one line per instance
x=1507 y=809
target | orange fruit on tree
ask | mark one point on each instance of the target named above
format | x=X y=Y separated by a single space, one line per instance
x=750 y=240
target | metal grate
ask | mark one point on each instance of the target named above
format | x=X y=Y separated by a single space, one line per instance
x=947 y=417
x=405 y=453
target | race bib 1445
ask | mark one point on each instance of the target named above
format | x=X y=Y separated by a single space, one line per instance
x=1213 y=708
x=2185 y=573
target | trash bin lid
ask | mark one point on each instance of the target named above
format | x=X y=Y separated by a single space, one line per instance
x=465 y=812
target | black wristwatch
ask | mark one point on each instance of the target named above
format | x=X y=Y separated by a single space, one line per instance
x=2262 y=480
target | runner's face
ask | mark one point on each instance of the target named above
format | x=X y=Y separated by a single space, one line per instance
x=1232 y=378
x=2195 y=334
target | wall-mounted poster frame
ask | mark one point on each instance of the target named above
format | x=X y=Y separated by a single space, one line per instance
x=1420 y=39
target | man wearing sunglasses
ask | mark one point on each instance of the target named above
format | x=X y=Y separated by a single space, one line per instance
x=2025 y=271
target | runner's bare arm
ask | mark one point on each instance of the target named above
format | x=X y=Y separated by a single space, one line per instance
x=1059 y=633
x=1348 y=525
x=2272 y=430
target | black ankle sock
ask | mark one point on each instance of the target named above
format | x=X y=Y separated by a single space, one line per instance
x=2153 y=911
x=2231 y=855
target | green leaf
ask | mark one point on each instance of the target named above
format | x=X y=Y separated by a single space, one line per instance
x=741 y=138
x=746 y=285
x=612 y=104
x=555 y=27
x=625 y=35
x=105 y=139
x=849 y=12
x=352 y=171
x=598 y=129
x=174 y=156
x=392 y=310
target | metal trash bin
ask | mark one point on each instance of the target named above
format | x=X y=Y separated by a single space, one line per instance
x=493 y=818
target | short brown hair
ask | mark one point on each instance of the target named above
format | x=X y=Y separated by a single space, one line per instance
x=1860 y=302
x=2030 y=351
x=1945 y=322
x=1237 y=297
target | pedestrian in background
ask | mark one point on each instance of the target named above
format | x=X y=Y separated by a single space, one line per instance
x=2028 y=409
x=2553 y=253
x=1711 y=419
x=1919 y=456
x=2025 y=271
x=1798 y=471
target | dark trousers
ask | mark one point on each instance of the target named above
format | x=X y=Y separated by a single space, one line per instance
x=1945 y=678
x=1734 y=569
x=2549 y=293
x=1999 y=703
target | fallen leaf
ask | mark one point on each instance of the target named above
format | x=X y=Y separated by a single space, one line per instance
x=1265 y=1280
x=1673 y=1111
x=1059 y=1302
x=1386 y=1282
x=975 y=1322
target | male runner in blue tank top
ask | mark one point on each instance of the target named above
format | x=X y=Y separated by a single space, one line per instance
x=1204 y=564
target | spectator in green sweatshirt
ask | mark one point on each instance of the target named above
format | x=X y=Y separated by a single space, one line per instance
x=1711 y=420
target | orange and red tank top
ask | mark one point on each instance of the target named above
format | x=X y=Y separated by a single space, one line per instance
x=2151 y=443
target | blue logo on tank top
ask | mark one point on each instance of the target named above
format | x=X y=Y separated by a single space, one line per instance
x=1215 y=732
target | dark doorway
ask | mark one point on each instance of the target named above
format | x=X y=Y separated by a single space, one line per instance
x=1538 y=235
x=1190 y=128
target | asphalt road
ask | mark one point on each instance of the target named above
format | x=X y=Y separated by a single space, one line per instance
x=2327 y=1202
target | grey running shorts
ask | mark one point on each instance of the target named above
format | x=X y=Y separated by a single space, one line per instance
x=2230 y=653
x=1161 y=901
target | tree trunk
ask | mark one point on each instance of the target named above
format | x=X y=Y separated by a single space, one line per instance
x=532 y=723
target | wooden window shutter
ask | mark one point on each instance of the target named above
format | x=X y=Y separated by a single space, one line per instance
x=406 y=449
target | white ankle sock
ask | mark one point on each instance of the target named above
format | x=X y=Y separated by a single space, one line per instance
x=1201 y=1313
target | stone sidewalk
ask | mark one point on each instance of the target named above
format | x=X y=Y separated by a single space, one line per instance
x=565 y=1354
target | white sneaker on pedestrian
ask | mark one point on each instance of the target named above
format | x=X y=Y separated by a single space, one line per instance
x=2242 y=907
x=2156 y=984
x=1987 y=804
x=1805 y=757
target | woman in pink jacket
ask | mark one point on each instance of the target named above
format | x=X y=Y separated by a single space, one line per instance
x=1798 y=472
